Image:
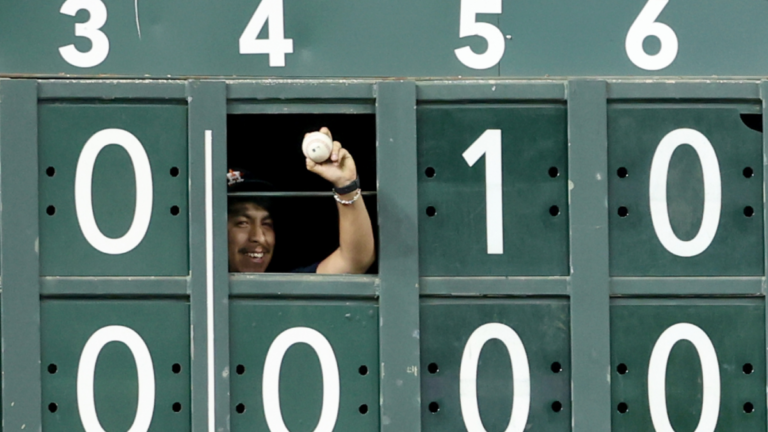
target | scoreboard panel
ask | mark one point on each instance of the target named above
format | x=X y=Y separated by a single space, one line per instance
x=692 y=367
x=112 y=369
x=479 y=358
x=510 y=173
x=691 y=214
x=276 y=387
x=584 y=320
x=110 y=224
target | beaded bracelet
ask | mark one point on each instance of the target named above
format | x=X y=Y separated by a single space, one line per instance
x=346 y=202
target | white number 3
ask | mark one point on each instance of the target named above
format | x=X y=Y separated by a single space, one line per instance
x=645 y=25
x=90 y=29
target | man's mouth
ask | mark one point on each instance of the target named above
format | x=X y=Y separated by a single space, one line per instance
x=256 y=255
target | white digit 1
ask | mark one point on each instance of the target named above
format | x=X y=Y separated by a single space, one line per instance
x=270 y=390
x=645 y=25
x=657 y=375
x=277 y=46
x=489 y=144
x=468 y=26
x=86 y=370
x=521 y=377
x=657 y=192
x=83 y=198
x=90 y=29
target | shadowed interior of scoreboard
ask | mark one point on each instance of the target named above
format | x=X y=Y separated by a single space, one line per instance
x=304 y=210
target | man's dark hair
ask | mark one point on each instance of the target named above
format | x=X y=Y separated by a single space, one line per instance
x=242 y=186
x=266 y=203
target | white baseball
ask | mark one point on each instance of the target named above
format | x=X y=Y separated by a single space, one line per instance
x=317 y=146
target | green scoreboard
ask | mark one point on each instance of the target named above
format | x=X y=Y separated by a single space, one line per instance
x=568 y=199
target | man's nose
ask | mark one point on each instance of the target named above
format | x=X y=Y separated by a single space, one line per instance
x=257 y=234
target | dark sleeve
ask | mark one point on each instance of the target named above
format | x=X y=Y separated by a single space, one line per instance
x=308 y=269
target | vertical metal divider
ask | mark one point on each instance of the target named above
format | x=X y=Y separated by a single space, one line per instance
x=589 y=280
x=764 y=110
x=209 y=273
x=399 y=343
x=19 y=257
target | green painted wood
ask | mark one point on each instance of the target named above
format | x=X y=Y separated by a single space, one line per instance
x=703 y=286
x=542 y=326
x=684 y=89
x=284 y=91
x=163 y=327
x=114 y=286
x=349 y=328
x=64 y=131
x=495 y=90
x=20 y=296
x=288 y=285
x=111 y=89
x=636 y=325
x=493 y=285
x=207 y=112
x=375 y=39
x=764 y=107
x=400 y=395
x=534 y=191
x=634 y=132
x=590 y=331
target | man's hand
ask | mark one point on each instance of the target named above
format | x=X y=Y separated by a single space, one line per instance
x=339 y=169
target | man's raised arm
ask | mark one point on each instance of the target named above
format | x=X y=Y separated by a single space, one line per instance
x=356 y=251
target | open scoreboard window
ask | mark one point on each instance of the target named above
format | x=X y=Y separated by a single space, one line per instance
x=306 y=221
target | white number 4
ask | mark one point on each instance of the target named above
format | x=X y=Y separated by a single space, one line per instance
x=277 y=46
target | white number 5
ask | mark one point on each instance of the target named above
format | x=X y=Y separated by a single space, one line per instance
x=90 y=29
x=645 y=25
x=468 y=26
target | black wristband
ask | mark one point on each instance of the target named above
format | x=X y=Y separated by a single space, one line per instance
x=355 y=185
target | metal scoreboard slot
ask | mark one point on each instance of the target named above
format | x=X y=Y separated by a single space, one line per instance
x=493 y=365
x=685 y=191
x=113 y=190
x=115 y=365
x=495 y=177
x=301 y=365
x=687 y=364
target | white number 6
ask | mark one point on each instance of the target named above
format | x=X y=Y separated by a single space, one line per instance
x=469 y=27
x=89 y=29
x=645 y=25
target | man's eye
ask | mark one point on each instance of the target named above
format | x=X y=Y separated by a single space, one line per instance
x=242 y=223
x=268 y=224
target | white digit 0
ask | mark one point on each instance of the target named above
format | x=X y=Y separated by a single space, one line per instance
x=277 y=46
x=489 y=144
x=83 y=198
x=86 y=370
x=645 y=25
x=270 y=390
x=521 y=377
x=90 y=29
x=657 y=375
x=657 y=192
x=468 y=26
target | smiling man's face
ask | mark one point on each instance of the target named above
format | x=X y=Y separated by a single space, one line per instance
x=251 y=234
